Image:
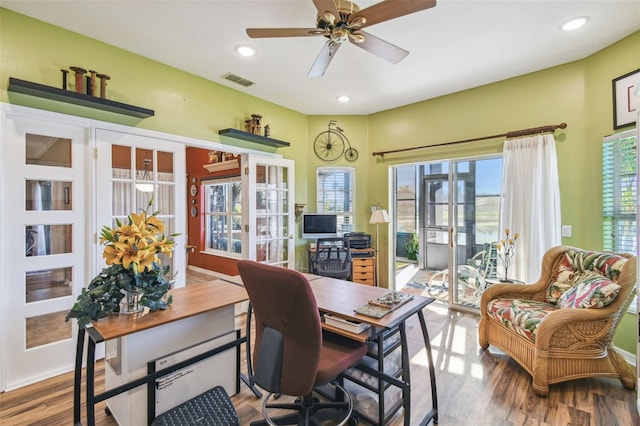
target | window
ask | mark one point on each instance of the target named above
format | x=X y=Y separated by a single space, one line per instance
x=336 y=188
x=223 y=215
x=619 y=189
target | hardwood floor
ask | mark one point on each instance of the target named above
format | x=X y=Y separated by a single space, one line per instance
x=474 y=388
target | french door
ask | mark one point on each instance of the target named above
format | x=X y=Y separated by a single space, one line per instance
x=131 y=172
x=45 y=202
x=269 y=219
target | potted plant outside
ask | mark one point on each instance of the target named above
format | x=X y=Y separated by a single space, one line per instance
x=412 y=245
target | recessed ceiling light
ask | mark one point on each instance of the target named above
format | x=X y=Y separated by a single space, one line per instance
x=574 y=23
x=343 y=98
x=245 y=50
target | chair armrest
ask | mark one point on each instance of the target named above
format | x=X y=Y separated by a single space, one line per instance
x=584 y=325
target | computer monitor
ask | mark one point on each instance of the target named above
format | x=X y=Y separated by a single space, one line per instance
x=319 y=225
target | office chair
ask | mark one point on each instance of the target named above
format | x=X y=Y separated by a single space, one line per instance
x=291 y=354
x=332 y=258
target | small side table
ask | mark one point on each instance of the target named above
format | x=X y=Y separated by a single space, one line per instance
x=491 y=281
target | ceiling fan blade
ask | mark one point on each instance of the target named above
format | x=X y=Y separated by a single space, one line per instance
x=284 y=32
x=380 y=48
x=324 y=59
x=324 y=6
x=390 y=9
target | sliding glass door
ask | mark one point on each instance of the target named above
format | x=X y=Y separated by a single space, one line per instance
x=458 y=204
x=475 y=206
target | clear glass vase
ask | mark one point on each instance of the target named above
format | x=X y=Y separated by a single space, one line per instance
x=131 y=302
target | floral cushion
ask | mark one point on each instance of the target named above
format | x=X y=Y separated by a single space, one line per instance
x=591 y=290
x=573 y=265
x=519 y=315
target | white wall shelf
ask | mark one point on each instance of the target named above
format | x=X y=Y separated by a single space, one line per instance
x=223 y=165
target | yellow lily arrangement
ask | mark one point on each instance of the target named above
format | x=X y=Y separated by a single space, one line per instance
x=132 y=252
x=136 y=245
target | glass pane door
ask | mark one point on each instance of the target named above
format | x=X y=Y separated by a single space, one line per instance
x=475 y=206
x=270 y=218
x=44 y=247
x=133 y=171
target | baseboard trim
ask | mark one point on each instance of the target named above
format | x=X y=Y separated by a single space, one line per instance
x=631 y=358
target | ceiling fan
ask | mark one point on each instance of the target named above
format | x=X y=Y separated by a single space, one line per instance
x=342 y=20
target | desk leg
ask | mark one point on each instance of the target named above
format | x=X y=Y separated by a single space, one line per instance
x=432 y=372
x=249 y=380
x=91 y=361
x=77 y=378
x=406 y=374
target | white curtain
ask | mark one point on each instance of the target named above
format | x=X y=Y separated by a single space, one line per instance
x=530 y=203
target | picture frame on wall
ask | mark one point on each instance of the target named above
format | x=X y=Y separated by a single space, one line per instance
x=625 y=104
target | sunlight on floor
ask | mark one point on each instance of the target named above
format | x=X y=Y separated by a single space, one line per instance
x=449 y=349
x=405 y=275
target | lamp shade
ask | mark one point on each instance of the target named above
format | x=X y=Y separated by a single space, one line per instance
x=379 y=215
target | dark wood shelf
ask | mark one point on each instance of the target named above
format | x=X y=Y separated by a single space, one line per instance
x=61 y=95
x=250 y=137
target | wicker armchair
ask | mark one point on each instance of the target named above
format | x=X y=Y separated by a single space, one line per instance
x=564 y=343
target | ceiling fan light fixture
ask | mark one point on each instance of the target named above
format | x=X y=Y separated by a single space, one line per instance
x=244 y=50
x=329 y=18
x=356 y=38
x=339 y=35
x=358 y=22
x=575 y=23
x=343 y=99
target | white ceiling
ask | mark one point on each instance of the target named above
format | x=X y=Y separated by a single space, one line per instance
x=454 y=46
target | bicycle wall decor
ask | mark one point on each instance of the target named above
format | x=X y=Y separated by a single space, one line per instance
x=329 y=145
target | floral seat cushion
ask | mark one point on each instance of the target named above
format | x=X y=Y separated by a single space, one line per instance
x=520 y=315
x=575 y=264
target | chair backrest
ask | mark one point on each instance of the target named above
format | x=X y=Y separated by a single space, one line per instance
x=333 y=257
x=284 y=305
x=488 y=265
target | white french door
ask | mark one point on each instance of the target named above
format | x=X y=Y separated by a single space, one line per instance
x=43 y=268
x=269 y=219
x=125 y=163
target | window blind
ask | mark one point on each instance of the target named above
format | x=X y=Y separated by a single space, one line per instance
x=619 y=191
x=335 y=192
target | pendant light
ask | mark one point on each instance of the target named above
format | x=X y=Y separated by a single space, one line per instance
x=145 y=185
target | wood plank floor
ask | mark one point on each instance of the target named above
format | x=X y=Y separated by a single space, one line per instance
x=474 y=388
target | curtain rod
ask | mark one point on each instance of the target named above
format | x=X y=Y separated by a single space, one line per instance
x=513 y=134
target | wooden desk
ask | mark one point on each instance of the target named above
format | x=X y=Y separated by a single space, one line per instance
x=340 y=298
x=192 y=305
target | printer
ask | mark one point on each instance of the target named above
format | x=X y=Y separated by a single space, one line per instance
x=358 y=240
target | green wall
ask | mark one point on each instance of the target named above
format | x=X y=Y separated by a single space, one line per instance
x=578 y=93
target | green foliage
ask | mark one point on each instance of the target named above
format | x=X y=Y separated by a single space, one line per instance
x=412 y=244
x=105 y=292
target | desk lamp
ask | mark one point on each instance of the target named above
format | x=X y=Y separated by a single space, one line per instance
x=378 y=216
